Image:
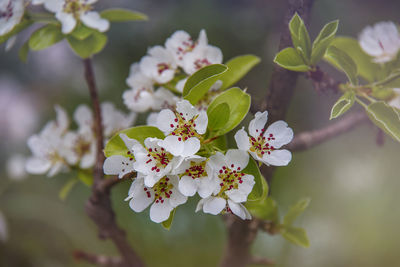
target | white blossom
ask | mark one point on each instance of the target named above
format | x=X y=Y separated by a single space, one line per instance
x=159 y=65
x=121 y=164
x=15 y=167
x=163 y=195
x=381 y=41
x=114 y=120
x=69 y=12
x=183 y=128
x=233 y=185
x=11 y=12
x=264 y=145
x=164 y=98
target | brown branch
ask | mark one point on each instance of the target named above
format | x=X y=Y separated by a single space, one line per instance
x=99 y=260
x=262 y=261
x=309 y=139
x=322 y=81
x=98 y=207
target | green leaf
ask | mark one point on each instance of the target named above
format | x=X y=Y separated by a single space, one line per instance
x=89 y=46
x=220 y=143
x=122 y=15
x=239 y=104
x=343 y=104
x=25 y=23
x=344 y=62
x=290 y=59
x=323 y=40
x=264 y=209
x=167 y=224
x=297 y=236
x=115 y=146
x=201 y=81
x=385 y=117
x=82 y=32
x=294 y=28
x=295 y=211
x=238 y=67
x=45 y=37
x=86 y=177
x=66 y=189
x=260 y=188
x=218 y=116
x=300 y=37
x=24 y=51
x=367 y=69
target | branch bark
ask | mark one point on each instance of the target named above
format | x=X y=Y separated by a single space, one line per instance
x=99 y=207
x=99 y=260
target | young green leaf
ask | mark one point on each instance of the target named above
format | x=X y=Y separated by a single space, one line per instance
x=290 y=59
x=86 y=177
x=115 y=146
x=297 y=236
x=300 y=37
x=385 y=117
x=264 y=209
x=168 y=223
x=201 y=81
x=239 y=104
x=295 y=211
x=260 y=188
x=24 y=51
x=122 y=15
x=45 y=37
x=25 y=23
x=238 y=67
x=323 y=40
x=89 y=46
x=344 y=62
x=66 y=189
x=82 y=32
x=343 y=104
x=294 y=28
x=218 y=116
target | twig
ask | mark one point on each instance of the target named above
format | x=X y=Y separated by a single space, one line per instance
x=98 y=207
x=309 y=139
x=322 y=81
x=99 y=260
x=262 y=261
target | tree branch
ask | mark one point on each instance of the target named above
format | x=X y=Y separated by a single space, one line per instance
x=98 y=207
x=309 y=139
x=262 y=261
x=99 y=260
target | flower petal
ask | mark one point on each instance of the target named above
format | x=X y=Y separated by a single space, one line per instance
x=237 y=158
x=165 y=119
x=201 y=122
x=239 y=210
x=160 y=212
x=188 y=111
x=191 y=146
x=258 y=123
x=187 y=186
x=93 y=20
x=242 y=140
x=278 y=158
x=67 y=20
x=281 y=132
x=37 y=165
x=117 y=165
x=214 y=205
x=172 y=144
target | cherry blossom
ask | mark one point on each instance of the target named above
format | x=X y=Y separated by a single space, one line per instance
x=11 y=12
x=381 y=41
x=164 y=197
x=121 y=164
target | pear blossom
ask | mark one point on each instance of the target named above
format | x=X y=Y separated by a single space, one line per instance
x=164 y=98
x=114 y=120
x=183 y=128
x=163 y=195
x=198 y=177
x=118 y=164
x=15 y=167
x=233 y=185
x=47 y=147
x=69 y=12
x=263 y=145
x=11 y=12
x=381 y=41
x=159 y=65
x=395 y=101
x=154 y=162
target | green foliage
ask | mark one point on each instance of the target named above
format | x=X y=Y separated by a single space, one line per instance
x=82 y=32
x=343 y=104
x=86 y=177
x=238 y=67
x=264 y=209
x=290 y=59
x=300 y=37
x=260 y=188
x=323 y=40
x=66 y=189
x=295 y=235
x=168 y=223
x=343 y=62
x=115 y=146
x=239 y=104
x=295 y=211
x=218 y=116
x=201 y=81
x=45 y=37
x=122 y=15
x=24 y=51
x=88 y=47
x=385 y=117
x=25 y=23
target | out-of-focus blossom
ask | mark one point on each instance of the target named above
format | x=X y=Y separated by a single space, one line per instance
x=11 y=12
x=15 y=167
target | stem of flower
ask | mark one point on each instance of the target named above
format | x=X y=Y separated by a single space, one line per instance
x=210 y=140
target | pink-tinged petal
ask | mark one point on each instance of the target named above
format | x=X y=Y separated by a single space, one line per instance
x=217 y=161
x=188 y=111
x=93 y=20
x=278 y=158
x=239 y=210
x=242 y=140
x=172 y=144
x=166 y=121
x=187 y=186
x=201 y=122
x=237 y=158
x=191 y=146
x=67 y=20
x=258 y=123
x=214 y=205
x=282 y=134
x=37 y=165
x=160 y=212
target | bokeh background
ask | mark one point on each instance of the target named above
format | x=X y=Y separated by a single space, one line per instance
x=354 y=216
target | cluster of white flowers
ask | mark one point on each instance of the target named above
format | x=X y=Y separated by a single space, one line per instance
x=167 y=66
x=57 y=147
x=170 y=170
x=11 y=12
x=70 y=12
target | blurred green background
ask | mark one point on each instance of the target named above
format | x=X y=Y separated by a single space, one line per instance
x=353 y=218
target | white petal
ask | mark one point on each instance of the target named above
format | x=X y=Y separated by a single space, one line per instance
x=117 y=165
x=165 y=119
x=55 y=168
x=200 y=205
x=160 y=212
x=37 y=165
x=129 y=142
x=236 y=195
x=214 y=205
x=177 y=198
x=238 y=158
x=187 y=186
x=191 y=146
x=206 y=186
x=172 y=144
x=140 y=199
x=84 y=118
x=93 y=20
x=67 y=20
x=150 y=180
x=217 y=161
x=201 y=122
x=257 y=124
x=278 y=158
x=62 y=120
x=247 y=185
x=188 y=111
x=139 y=99
x=239 y=210
x=281 y=132
x=242 y=140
